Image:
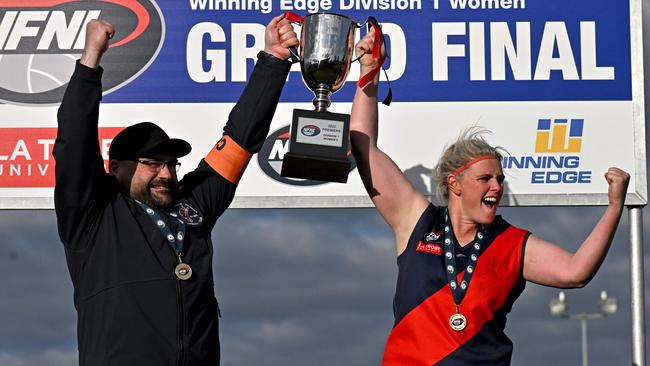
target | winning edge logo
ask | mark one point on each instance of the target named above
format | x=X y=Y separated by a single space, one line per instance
x=272 y=153
x=40 y=41
x=557 y=157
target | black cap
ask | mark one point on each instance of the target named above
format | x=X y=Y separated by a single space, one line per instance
x=144 y=139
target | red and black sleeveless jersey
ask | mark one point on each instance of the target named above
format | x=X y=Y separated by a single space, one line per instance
x=423 y=301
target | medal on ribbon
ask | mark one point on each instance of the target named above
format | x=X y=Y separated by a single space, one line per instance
x=458 y=321
x=183 y=271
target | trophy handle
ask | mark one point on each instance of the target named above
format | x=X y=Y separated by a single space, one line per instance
x=360 y=25
x=297 y=20
x=376 y=52
x=295 y=58
x=358 y=57
x=370 y=22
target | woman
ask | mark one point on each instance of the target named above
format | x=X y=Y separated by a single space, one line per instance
x=461 y=267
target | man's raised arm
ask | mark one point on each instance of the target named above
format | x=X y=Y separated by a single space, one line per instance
x=79 y=164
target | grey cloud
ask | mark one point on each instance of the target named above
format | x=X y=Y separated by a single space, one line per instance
x=309 y=287
x=36 y=308
x=49 y=357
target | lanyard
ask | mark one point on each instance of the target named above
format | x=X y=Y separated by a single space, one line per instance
x=458 y=291
x=183 y=270
x=175 y=241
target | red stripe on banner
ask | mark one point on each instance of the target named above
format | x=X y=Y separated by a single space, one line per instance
x=133 y=5
x=140 y=12
x=26 y=155
x=424 y=337
x=33 y=3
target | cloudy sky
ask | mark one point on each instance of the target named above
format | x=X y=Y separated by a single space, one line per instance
x=308 y=287
x=311 y=287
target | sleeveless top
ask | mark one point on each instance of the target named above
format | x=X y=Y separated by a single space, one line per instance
x=423 y=300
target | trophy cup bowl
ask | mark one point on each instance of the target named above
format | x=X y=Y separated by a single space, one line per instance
x=326 y=45
x=319 y=139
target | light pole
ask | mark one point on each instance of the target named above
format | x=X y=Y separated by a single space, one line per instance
x=560 y=307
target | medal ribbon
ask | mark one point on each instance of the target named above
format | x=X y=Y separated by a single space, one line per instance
x=175 y=241
x=292 y=17
x=376 y=53
x=458 y=291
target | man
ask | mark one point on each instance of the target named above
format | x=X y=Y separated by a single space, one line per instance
x=137 y=241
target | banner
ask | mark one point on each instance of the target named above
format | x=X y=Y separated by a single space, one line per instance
x=558 y=83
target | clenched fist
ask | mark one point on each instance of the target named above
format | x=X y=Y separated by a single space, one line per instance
x=364 y=52
x=98 y=32
x=279 y=37
x=618 y=181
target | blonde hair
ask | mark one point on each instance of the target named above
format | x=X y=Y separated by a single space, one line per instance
x=469 y=145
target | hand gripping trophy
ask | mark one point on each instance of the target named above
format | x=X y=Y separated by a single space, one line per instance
x=320 y=139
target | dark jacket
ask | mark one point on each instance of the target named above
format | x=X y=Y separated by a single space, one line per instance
x=132 y=310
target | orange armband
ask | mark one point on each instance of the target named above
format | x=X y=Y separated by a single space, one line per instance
x=228 y=159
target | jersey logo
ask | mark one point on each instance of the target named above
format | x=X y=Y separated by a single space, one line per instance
x=433 y=236
x=189 y=214
x=429 y=248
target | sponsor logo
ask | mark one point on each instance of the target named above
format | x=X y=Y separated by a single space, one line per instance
x=433 y=236
x=270 y=158
x=556 y=158
x=310 y=130
x=429 y=248
x=221 y=144
x=26 y=155
x=552 y=136
x=189 y=214
x=40 y=41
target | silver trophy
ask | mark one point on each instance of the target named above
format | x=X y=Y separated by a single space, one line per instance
x=326 y=45
x=319 y=139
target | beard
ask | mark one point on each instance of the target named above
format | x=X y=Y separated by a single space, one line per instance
x=158 y=194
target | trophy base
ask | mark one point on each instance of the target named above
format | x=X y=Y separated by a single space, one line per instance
x=318 y=147
x=315 y=168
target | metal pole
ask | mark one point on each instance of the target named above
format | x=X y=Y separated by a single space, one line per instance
x=585 y=354
x=637 y=286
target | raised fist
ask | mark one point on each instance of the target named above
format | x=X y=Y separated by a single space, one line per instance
x=98 y=32
x=279 y=37
x=364 y=52
x=618 y=181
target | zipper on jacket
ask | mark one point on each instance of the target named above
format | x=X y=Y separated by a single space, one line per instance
x=181 y=324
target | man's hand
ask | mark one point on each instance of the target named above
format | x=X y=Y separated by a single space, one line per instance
x=364 y=52
x=279 y=37
x=98 y=32
x=618 y=181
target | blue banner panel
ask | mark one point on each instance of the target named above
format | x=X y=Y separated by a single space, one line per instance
x=452 y=50
x=198 y=51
